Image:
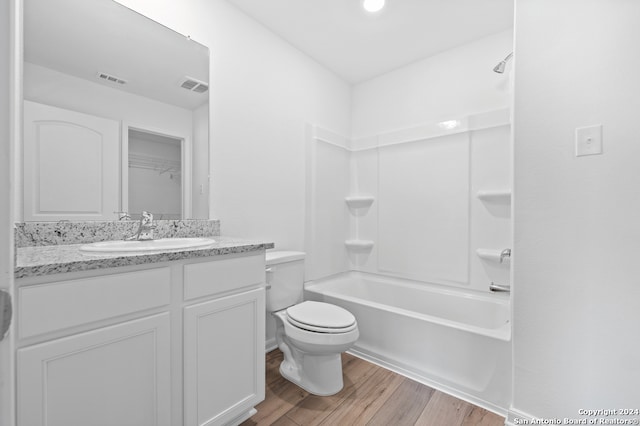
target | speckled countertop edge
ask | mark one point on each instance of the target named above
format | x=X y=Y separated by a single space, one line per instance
x=56 y=259
x=28 y=234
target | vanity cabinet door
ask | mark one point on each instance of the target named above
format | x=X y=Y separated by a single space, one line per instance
x=118 y=375
x=223 y=358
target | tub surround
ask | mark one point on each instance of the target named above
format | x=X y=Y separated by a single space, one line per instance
x=45 y=248
x=390 y=179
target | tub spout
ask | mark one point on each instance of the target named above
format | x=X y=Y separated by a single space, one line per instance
x=498 y=288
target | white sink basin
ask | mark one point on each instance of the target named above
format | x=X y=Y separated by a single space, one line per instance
x=132 y=247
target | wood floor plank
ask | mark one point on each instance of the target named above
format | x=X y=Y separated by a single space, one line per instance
x=481 y=417
x=371 y=396
x=404 y=406
x=367 y=399
x=443 y=409
x=284 y=421
x=280 y=397
x=272 y=365
x=314 y=409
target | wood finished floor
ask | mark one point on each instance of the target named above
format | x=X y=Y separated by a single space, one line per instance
x=371 y=395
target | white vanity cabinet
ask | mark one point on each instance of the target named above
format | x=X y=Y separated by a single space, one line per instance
x=165 y=344
x=102 y=351
x=223 y=341
x=223 y=360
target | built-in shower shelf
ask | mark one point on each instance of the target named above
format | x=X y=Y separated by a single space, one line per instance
x=360 y=245
x=493 y=255
x=359 y=201
x=496 y=195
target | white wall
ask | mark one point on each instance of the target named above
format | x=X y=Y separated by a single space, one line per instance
x=200 y=164
x=454 y=83
x=6 y=212
x=263 y=93
x=6 y=104
x=577 y=227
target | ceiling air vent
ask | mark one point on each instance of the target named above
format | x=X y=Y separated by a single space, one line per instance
x=111 y=78
x=194 y=85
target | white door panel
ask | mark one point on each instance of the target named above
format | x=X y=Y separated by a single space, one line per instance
x=71 y=165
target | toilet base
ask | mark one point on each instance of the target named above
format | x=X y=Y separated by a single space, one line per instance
x=320 y=374
x=312 y=360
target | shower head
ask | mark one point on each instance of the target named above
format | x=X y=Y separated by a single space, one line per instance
x=502 y=64
x=500 y=67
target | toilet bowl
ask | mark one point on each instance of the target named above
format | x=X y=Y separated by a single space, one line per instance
x=311 y=335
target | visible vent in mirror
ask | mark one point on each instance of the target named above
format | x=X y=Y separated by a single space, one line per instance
x=194 y=85
x=111 y=78
x=201 y=88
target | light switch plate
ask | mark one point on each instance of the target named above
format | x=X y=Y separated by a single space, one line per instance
x=589 y=140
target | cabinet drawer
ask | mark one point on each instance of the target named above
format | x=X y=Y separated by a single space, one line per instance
x=53 y=306
x=219 y=276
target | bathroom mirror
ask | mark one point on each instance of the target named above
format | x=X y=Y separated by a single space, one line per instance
x=91 y=61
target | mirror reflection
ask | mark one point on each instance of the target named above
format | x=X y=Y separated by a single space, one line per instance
x=116 y=115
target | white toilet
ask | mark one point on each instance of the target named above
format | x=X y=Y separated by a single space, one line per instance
x=311 y=335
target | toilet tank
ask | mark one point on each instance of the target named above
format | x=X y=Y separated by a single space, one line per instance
x=285 y=279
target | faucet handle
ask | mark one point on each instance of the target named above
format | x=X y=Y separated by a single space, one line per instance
x=122 y=215
x=146 y=218
x=146 y=222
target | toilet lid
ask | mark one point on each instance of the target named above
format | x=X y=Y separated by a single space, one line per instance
x=321 y=317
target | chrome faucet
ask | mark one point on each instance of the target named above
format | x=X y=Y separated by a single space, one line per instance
x=145 y=228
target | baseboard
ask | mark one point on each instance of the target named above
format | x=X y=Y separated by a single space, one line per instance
x=244 y=416
x=517 y=418
x=270 y=345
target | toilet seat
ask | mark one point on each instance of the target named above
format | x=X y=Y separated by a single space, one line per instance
x=321 y=317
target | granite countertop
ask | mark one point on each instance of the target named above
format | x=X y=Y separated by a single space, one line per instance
x=43 y=260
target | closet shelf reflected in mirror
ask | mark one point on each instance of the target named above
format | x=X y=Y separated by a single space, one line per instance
x=158 y=164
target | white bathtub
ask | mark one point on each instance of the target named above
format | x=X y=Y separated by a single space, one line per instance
x=452 y=340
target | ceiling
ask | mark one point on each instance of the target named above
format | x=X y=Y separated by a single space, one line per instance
x=358 y=45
